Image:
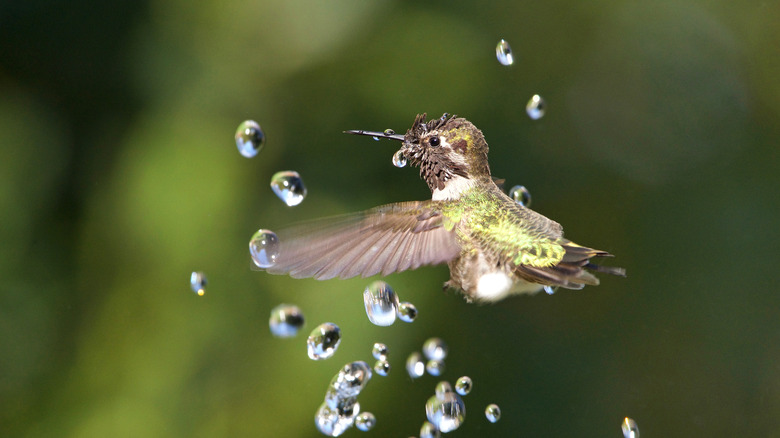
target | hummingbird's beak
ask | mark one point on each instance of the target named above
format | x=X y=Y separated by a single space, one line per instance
x=377 y=135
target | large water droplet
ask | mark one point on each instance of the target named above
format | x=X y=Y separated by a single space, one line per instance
x=333 y=422
x=379 y=351
x=323 y=341
x=348 y=382
x=521 y=195
x=382 y=367
x=249 y=138
x=447 y=413
x=493 y=412
x=407 y=312
x=381 y=303
x=630 y=429
x=536 y=107
x=285 y=320
x=399 y=159
x=365 y=421
x=434 y=367
x=264 y=248
x=415 y=365
x=504 y=53
x=428 y=430
x=289 y=187
x=435 y=349
x=463 y=385
x=198 y=282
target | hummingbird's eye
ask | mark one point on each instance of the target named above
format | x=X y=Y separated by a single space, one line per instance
x=434 y=141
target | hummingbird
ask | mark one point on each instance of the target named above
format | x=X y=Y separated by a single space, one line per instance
x=494 y=246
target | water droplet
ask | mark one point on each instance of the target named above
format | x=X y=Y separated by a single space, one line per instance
x=407 y=312
x=521 y=195
x=447 y=413
x=630 y=429
x=549 y=290
x=333 y=422
x=399 y=159
x=264 y=248
x=285 y=320
x=415 y=365
x=463 y=385
x=442 y=388
x=435 y=349
x=323 y=341
x=493 y=412
x=379 y=351
x=428 y=430
x=381 y=303
x=389 y=132
x=375 y=137
x=382 y=367
x=348 y=383
x=536 y=107
x=249 y=138
x=198 y=282
x=289 y=187
x=504 y=53
x=434 y=367
x=365 y=421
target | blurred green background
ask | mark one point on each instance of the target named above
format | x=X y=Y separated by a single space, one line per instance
x=119 y=176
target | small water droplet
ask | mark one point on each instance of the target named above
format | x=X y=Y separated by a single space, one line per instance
x=407 y=312
x=504 y=53
x=428 y=430
x=375 y=137
x=630 y=429
x=447 y=413
x=323 y=341
x=365 y=421
x=382 y=367
x=549 y=290
x=389 y=132
x=264 y=248
x=249 y=138
x=399 y=159
x=521 y=195
x=493 y=412
x=198 y=282
x=379 y=351
x=288 y=186
x=285 y=320
x=435 y=349
x=463 y=385
x=334 y=422
x=535 y=107
x=381 y=303
x=415 y=365
x=442 y=388
x=434 y=367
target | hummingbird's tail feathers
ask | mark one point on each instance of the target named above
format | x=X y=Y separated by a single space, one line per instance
x=572 y=271
x=386 y=239
x=611 y=270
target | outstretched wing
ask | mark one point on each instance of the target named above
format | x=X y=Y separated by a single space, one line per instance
x=386 y=239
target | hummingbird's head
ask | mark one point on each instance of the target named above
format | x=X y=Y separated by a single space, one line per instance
x=443 y=149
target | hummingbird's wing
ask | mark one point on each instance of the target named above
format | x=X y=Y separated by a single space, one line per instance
x=386 y=239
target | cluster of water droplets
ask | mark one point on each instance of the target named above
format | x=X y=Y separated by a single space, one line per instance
x=288 y=186
x=264 y=248
x=323 y=341
x=381 y=366
x=445 y=410
x=285 y=320
x=341 y=410
x=383 y=306
x=198 y=282
x=249 y=138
